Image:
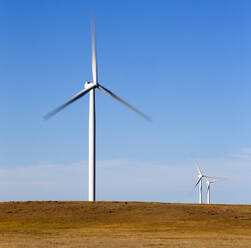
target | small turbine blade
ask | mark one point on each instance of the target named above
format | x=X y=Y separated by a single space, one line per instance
x=213 y=177
x=197 y=183
x=94 y=58
x=208 y=186
x=217 y=180
x=109 y=93
x=197 y=166
x=71 y=100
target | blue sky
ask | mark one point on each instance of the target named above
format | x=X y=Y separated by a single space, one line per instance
x=184 y=63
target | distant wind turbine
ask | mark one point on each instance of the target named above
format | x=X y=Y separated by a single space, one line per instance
x=209 y=181
x=200 y=176
x=90 y=87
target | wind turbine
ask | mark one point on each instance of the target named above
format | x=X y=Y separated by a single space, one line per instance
x=200 y=176
x=208 y=181
x=91 y=87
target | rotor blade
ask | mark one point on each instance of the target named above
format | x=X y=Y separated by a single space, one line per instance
x=197 y=183
x=109 y=93
x=94 y=59
x=217 y=180
x=197 y=166
x=208 y=187
x=213 y=177
x=73 y=99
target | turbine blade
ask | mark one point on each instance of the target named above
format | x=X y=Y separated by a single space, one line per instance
x=208 y=187
x=71 y=100
x=197 y=183
x=94 y=59
x=197 y=166
x=109 y=93
x=217 y=180
x=213 y=177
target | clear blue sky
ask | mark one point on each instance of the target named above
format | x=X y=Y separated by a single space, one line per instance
x=184 y=63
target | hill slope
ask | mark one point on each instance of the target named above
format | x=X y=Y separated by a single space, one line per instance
x=123 y=224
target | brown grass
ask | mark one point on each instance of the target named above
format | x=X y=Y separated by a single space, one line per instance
x=123 y=224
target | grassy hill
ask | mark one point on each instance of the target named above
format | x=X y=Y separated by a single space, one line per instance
x=123 y=224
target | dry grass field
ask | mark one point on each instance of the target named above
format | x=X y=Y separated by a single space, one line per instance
x=123 y=224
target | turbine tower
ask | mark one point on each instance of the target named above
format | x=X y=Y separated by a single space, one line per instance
x=90 y=87
x=208 y=181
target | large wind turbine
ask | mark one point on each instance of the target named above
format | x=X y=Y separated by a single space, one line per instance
x=209 y=181
x=90 y=87
x=200 y=176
